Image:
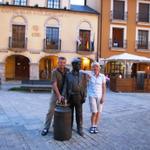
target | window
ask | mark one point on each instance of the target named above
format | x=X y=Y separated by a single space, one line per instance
x=18 y=36
x=52 y=38
x=53 y=3
x=117 y=38
x=118 y=10
x=142 y=39
x=20 y=2
x=84 y=44
x=144 y=12
x=116 y=68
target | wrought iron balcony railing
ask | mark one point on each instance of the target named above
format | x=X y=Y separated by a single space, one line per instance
x=114 y=15
x=118 y=44
x=82 y=48
x=142 y=17
x=52 y=46
x=17 y=43
x=142 y=45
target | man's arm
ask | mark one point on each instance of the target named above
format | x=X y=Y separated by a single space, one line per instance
x=65 y=91
x=103 y=91
x=54 y=85
x=55 y=88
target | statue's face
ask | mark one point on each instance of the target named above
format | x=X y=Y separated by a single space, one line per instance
x=76 y=66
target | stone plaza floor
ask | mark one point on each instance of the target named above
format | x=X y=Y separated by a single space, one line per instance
x=125 y=123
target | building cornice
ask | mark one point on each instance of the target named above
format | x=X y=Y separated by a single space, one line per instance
x=48 y=9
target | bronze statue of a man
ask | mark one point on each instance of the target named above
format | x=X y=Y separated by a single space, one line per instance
x=75 y=92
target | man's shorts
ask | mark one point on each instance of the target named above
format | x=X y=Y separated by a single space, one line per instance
x=95 y=105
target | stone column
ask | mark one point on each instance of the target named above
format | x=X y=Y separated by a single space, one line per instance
x=34 y=71
x=2 y=71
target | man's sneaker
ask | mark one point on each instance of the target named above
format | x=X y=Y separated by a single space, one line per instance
x=92 y=130
x=96 y=130
x=44 y=132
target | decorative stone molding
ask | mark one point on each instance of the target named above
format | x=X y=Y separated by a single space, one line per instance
x=18 y=20
x=52 y=22
x=85 y=25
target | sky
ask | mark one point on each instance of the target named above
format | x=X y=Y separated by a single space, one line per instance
x=77 y=2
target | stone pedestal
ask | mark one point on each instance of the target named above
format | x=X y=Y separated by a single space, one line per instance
x=34 y=71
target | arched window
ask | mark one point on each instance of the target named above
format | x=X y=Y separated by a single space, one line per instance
x=85 y=40
x=20 y=2
x=52 y=36
x=18 y=30
x=53 y=3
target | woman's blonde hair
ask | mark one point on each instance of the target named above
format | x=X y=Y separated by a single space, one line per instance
x=95 y=64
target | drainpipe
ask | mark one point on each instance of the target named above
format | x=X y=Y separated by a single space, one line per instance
x=98 y=39
x=100 y=32
x=85 y=2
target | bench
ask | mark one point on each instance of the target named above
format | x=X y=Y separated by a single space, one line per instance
x=36 y=85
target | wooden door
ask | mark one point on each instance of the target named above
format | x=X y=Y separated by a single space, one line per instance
x=21 y=68
x=18 y=36
x=118 y=37
x=85 y=40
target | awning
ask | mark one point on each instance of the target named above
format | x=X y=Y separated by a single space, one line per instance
x=128 y=57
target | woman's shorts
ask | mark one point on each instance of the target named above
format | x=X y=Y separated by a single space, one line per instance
x=95 y=105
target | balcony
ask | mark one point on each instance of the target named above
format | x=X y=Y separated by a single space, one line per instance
x=144 y=46
x=117 y=16
x=17 y=45
x=51 y=46
x=82 y=49
x=117 y=45
x=143 y=18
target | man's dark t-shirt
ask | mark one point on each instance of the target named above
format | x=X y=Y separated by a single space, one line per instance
x=59 y=77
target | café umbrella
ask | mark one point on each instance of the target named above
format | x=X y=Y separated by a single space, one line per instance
x=126 y=57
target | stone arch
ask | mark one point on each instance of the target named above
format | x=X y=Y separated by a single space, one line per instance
x=18 y=20
x=46 y=65
x=4 y=59
x=17 y=67
x=85 y=25
x=86 y=63
x=52 y=22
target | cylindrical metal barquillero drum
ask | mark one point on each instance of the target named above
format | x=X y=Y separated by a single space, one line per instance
x=62 y=123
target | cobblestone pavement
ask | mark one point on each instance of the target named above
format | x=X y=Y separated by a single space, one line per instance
x=125 y=123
